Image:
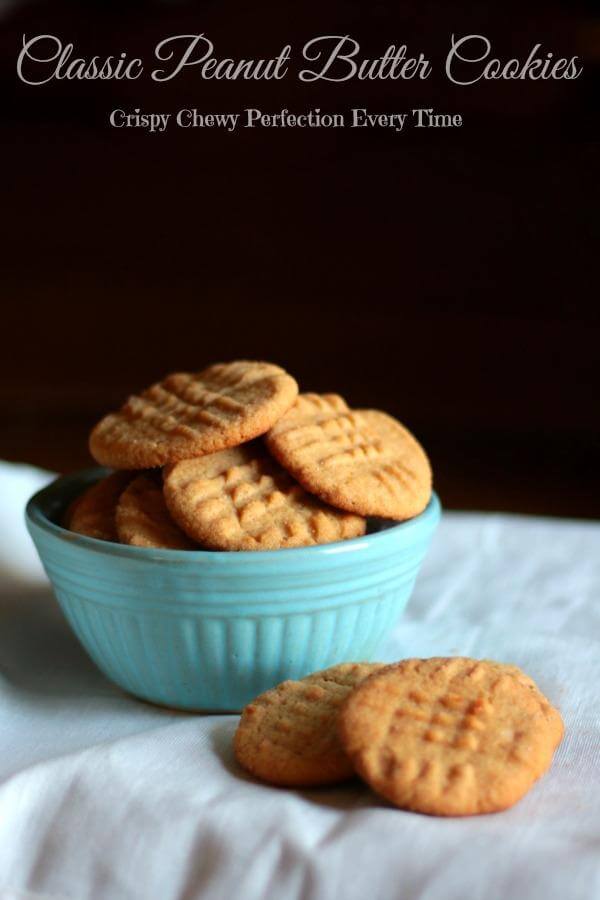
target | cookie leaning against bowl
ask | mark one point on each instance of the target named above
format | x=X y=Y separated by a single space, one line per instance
x=241 y=499
x=189 y=415
x=288 y=735
x=143 y=520
x=450 y=736
x=363 y=461
x=93 y=512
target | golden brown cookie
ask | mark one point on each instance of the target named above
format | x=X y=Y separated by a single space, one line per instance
x=450 y=736
x=241 y=499
x=363 y=461
x=93 y=513
x=143 y=520
x=288 y=735
x=549 y=712
x=189 y=415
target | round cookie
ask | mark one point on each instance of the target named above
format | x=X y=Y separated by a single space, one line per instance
x=450 y=736
x=288 y=735
x=363 y=461
x=143 y=520
x=93 y=512
x=549 y=712
x=241 y=499
x=189 y=415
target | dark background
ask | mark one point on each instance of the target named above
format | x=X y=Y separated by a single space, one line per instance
x=449 y=277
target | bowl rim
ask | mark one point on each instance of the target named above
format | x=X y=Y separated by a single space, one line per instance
x=35 y=515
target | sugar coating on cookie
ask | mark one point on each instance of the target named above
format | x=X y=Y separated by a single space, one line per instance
x=450 y=736
x=93 y=512
x=288 y=735
x=241 y=499
x=363 y=461
x=188 y=415
x=143 y=520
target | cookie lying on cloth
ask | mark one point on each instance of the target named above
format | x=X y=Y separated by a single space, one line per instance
x=445 y=736
x=288 y=735
x=450 y=736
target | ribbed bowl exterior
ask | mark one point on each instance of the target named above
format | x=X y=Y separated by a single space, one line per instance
x=204 y=630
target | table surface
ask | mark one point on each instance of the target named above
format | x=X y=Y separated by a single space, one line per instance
x=102 y=796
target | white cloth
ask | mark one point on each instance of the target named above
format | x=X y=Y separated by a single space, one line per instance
x=102 y=796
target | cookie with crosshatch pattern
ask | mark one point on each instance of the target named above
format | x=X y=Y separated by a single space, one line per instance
x=241 y=499
x=288 y=735
x=143 y=520
x=450 y=736
x=93 y=512
x=189 y=415
x=363 y=461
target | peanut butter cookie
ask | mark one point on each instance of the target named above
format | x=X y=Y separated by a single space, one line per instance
x=288 y=735
x=189 y=415
x=143 y=520
x=363 y=461
x=241 y=499
x=451 y=737
x=93 y=513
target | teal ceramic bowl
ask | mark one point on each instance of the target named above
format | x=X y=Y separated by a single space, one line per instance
x=205 y=630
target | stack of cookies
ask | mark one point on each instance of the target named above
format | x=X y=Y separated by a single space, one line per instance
x=445 y=736
x=234 y=458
